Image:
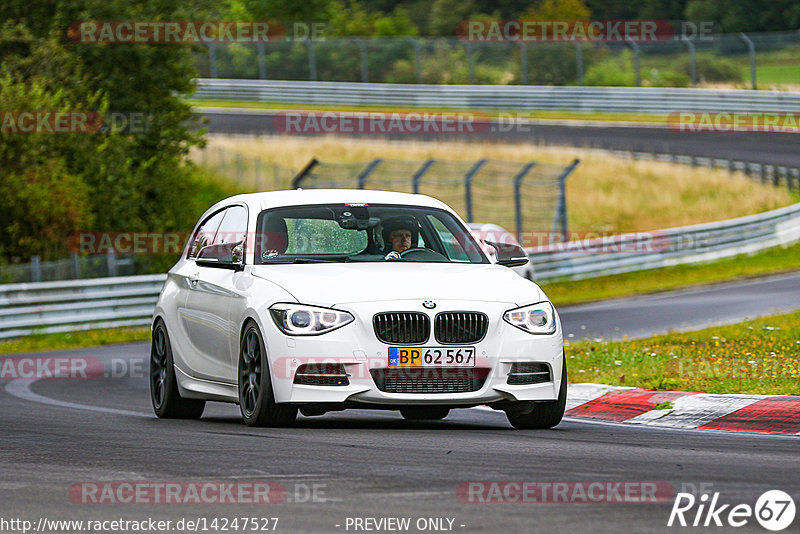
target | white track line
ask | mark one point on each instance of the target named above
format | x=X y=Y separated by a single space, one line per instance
x=21 y=389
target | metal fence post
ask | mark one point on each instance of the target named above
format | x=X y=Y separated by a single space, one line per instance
x=518 y=198
x=562 y=199
x=362 y=176
x=36 y=269
x=312 y=60
x=76 y=269
x=692 y=59
x=470 y=62
x=212 y=60
x=364 y=68
x=262 y=61
x=417 y=61
x=417 y=178
x=523 y=62
x=636 y=64
x=111 y=263
x=579 y=61
x=751 y=48
x=468 y=186
x=297 y=181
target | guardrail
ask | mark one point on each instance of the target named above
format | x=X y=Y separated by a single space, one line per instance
x=48 y=307
x=517 y=97
x=665 y=248
x=766 y=173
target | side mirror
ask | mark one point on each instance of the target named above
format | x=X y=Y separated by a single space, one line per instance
x=509 y=254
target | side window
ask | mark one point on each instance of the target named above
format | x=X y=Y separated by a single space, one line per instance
x=205 y=233
x=231 y=235
x=451 y=245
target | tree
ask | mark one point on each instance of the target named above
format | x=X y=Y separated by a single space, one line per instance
x=747 y=15
x=129 y=180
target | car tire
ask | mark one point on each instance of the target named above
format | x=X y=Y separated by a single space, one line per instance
x=543 y=414
x=256 y=398
x=164 y=395
x=424 y=413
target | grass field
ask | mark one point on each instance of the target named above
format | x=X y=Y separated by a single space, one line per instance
x=639 y=282
x=756 y=357
x=74 y=340
x=606 y=194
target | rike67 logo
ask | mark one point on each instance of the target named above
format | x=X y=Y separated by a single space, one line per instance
x=774 y=510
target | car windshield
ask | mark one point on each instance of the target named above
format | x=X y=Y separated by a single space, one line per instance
x=363 y=233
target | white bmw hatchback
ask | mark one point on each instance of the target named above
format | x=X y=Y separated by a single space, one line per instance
x=322 y=300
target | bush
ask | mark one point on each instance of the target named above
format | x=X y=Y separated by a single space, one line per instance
x=709 y=69
x=668 y=78
x=614 y=71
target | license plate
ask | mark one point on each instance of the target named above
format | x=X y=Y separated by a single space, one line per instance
x=431 y=356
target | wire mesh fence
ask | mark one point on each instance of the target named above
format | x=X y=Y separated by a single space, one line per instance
x=74 y=267
x=527 y=198
x=248 y=173
x=679 y=62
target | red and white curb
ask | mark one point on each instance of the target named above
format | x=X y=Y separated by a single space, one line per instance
x=772 y=414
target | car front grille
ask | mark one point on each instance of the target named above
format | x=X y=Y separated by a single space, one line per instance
x=430 y=379
x=460 y=327
x=321 y=374
x=410 y=328
x=526 y=373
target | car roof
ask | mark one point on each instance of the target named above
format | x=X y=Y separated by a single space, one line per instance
x=296 y=197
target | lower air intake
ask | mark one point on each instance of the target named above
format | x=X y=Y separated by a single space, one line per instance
x=526 y=373
x=430 y=379
x=321 y=374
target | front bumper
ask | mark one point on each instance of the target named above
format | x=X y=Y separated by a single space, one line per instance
x=356 y=347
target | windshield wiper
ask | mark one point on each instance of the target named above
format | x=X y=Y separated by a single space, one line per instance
x=299 y=260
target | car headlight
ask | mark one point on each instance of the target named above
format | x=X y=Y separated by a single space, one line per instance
x=304 y=320
x=539 y=318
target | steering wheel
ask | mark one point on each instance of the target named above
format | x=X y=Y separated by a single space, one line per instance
x=423 y=254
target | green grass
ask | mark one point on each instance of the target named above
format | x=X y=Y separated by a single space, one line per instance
x=622 y=285
x=775 y=74
x=74 y=340
x=760 y=357
x=522 y=114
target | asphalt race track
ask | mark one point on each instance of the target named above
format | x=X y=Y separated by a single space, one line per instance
x=60 y=437
x=778 y=149
x=362 y=464
x=688 y=309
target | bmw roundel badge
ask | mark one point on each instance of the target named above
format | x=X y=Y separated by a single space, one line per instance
x=429 y=304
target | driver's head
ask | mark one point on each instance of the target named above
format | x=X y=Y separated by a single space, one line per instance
x=399 y=233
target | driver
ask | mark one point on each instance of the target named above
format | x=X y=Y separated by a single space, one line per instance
x=400 y=234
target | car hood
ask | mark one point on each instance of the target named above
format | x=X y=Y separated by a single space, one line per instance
x=329 y=284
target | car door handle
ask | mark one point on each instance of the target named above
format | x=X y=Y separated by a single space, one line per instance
x=193 y=279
